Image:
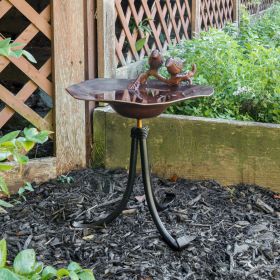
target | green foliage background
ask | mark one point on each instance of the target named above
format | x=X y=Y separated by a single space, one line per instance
x=242 y=65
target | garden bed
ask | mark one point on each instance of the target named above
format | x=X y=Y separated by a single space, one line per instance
x=230 y=152
x=234 y=232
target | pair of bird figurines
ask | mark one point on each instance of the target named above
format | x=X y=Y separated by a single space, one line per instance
x=174 y=68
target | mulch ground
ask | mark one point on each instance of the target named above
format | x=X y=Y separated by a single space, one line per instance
x=234 y=232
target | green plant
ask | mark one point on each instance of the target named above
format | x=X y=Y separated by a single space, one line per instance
x=13 y=147
x=25 y=267
x=143 y=28
x=26 y=188
x=65 y=179
x=242 y=65
x=14 y=49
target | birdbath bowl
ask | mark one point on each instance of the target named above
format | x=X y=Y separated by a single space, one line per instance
x=148 y=101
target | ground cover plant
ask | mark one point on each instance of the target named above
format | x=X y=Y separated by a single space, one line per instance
x=26 y=267
x=242 y=65
x=14 y=146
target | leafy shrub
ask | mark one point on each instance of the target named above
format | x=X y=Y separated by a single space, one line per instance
x=242 y=65
x=25 y=267
x=14 y=147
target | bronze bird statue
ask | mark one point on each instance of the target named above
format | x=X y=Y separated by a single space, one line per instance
x=155 y=62
x=174 y=68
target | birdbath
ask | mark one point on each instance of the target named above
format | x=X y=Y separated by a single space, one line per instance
x=141 y=99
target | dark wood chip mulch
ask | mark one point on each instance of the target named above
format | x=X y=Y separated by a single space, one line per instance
x=234 y=232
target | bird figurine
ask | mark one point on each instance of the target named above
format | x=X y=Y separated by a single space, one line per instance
x=174 y=68
x=155 y=62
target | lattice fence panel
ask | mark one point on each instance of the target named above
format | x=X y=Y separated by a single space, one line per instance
x=254 y=7
x=215 y=13
x=37 y=75
x=167 y=21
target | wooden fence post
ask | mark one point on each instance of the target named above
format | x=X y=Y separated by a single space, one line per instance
x=236 y=11
x=196 y=18
x=106 y=38
x=69 y=68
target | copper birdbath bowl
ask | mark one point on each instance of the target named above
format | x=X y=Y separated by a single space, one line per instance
x=146 y=102
x=141 y=99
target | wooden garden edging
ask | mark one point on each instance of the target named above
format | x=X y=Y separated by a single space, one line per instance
x=231 y=152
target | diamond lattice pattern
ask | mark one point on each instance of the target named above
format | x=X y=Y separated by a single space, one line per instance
x=168 y=21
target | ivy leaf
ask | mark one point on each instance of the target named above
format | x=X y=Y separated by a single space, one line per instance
x=32 y=134
x=5 y=43
x=3 y=253
x=3 y=186
x=21 y=159
x=9 y=137
x=86 y=274
x=38 y=267
x=15 y=53
x=26 y=144
x=5 y=167
x=73 y=266
x=73 y=275
x=6 y=274
x=48 y=273
x=62 y=273
x=29 y=56
x=24 y=262
x=140 y=44
x=5 y=205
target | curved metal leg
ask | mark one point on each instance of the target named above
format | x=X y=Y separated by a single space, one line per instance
x=175 y=244
x=131 y=179
x=168 y=201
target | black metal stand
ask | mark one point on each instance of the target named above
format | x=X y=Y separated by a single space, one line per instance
x=139 y=136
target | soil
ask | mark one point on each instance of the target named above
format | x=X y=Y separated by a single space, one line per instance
x=234 y=232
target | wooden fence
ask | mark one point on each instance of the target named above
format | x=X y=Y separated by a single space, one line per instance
x=216 y=13
x=60 y=24
x=157 y=24
x=254 y=6
x=37 y=77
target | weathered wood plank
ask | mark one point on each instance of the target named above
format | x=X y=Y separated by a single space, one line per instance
x=91 y=66
x=236 y=8
x=106 y=38
x=37 y=170
x=69 y=65
x=195 y=17
x=5 y=6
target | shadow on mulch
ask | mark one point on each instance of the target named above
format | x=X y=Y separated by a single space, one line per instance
x=236 y=230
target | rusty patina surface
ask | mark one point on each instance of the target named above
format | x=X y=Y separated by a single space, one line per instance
x=147 y=101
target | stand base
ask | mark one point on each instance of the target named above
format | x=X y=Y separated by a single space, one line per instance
x=139 y=138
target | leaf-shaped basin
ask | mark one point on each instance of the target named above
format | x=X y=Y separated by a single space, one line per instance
x=147 y=102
